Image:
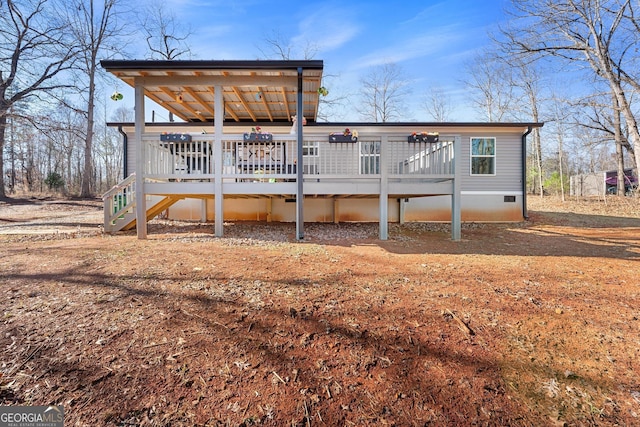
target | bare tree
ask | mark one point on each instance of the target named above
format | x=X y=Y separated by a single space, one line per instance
x=597 y=114
x=278 y=46
x=33 y=53
x=96 y=29
x=527 y=79
x=617 y=132
x=382 y=93
x=599 y=34
x=490 y=80
x=166 y=38
x=61 y=129
x=438 y=104
x=559 y=116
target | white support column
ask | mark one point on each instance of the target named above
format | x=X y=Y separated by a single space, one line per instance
x=269 y=209
x=299 y=160
x=217 y=161
x=203 y=211
x=384 y=189
x=141 y=199
x=455 y=197
x=402 y=210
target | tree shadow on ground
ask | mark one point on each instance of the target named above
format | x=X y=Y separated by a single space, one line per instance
x=389 y=371
x=575 y=236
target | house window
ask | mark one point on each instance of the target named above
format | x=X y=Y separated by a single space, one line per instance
x=483 y=156
x=369 y=157
x=311 y=156
x=310 y=148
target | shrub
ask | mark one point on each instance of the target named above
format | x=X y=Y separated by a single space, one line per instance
x=54 y=181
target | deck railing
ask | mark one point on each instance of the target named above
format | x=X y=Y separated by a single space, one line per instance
x=422 y=158
x=177 y=159
x=119 y=202
x=276 y=159
x=248 y=160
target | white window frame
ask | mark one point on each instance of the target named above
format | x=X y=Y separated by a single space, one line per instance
x=483 y=156
x=310 y=146
x=371 y=157
x=310 y=151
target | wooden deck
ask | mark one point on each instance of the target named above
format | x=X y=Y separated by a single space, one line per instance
x=373 y=166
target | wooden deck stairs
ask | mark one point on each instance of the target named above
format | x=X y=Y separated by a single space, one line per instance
x=153 y=211
x=120 y=206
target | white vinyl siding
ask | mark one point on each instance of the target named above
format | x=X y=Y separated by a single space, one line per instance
x=508 y=176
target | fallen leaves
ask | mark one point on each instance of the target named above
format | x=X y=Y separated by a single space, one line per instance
x=187 y=329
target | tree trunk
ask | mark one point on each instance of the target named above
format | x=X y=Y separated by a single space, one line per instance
x=560 y=159
x=87 y=176
x=602 y=63
x=537 y=146
x=27 y=167
x=632 y=125
x=68 y=168
x=3 y=128
x=617 y=128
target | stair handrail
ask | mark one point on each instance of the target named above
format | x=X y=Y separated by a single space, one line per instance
x=113 y=210
x=119 y=186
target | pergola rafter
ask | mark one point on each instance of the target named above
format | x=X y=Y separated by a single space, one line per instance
x=255 y=91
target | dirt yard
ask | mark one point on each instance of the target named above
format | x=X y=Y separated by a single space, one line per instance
x=532 y=324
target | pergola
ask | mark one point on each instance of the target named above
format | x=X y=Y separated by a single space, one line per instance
x=219 y=91
x=252 y=91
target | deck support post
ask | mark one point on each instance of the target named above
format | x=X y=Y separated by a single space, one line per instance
x=218 y=123
x=269 y=209
x=402 y=208
x=203 y=211
x=384 y=189
x=141 y=199
x=455 y=197
x=299 y=160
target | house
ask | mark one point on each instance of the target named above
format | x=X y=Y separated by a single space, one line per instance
x=236 y=154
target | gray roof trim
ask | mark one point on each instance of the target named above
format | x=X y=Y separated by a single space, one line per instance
x=354 y=124
x=435 y=124
x=140 y=64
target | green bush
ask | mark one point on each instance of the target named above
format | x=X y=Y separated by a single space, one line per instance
x=54 y=181
x=552 y=184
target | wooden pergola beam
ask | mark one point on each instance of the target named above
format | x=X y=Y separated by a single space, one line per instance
x=184 y=103
x=231 y=112
x=227 y=107
x=244 y=103
x=223 y=80
x=286 y=102
x=200 y=101
x=265 y=103
x=164 y=104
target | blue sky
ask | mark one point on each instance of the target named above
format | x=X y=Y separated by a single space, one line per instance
x=431 y=41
